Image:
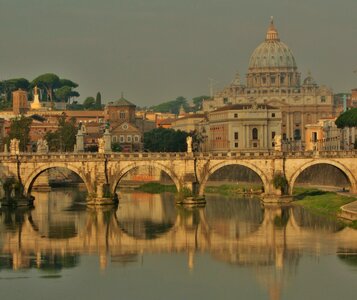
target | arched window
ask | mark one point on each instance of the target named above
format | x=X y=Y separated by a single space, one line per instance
x=297 y=134
x=255 y=133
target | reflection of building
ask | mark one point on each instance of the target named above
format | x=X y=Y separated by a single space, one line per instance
x=273 y=79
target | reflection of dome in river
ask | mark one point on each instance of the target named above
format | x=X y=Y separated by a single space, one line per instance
x=272 y=53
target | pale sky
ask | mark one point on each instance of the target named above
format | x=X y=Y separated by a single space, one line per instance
x=156 y=50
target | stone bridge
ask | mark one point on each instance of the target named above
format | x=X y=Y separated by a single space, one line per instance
x=101 y=173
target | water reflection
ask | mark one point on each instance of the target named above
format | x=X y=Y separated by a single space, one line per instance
x=268 y=240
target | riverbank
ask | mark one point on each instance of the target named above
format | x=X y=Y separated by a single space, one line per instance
x=325 y=203
x=156 y=188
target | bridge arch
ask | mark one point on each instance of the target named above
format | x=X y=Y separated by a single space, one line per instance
x=330 y=162
x=132 y=166
x=220 y=165
x=29 y=181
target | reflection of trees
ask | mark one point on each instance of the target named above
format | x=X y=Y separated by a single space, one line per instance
x=348 y=256
x=307 y=220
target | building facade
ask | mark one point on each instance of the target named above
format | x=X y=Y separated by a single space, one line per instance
x=240 y=127
x=273 y=79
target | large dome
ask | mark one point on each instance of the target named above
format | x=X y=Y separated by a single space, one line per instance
x=272 y=53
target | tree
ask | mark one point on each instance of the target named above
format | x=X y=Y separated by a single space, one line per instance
x=10 y=85
x=171 y=106
x=197 y=101
x=165 y=140
x=89 y=103
x=20 y=129
x=66 y=82
x=64 y=138
x=49 y=82
x=63 y=93
x=347 y=119
x=98 y=100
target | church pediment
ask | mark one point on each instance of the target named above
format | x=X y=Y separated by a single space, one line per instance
x=124 y=127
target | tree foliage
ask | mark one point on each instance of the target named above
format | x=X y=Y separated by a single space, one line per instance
x=280 y=182
x=64 y=138
x=89 y=103
x=49 y=82
x=197 y=101
x=55 y=88
x=98 y=100
x=347 y=119
x=10 y=85
x=171 y=106
x=165 y=140
x=20 y=129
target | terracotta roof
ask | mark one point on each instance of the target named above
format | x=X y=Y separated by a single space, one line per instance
x=167 y=121
x=121 y=102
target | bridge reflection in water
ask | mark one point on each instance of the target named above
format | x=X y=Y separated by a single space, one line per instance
x=269 y=240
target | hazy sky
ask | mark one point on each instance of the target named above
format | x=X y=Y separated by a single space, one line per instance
x=156 y=50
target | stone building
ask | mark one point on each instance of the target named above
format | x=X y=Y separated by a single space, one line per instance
x=188 y=123
x=19 y=102
x=273 y=79
x=123 y=128
x=241 y=127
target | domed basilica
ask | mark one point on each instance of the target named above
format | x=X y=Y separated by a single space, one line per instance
x=273 y=79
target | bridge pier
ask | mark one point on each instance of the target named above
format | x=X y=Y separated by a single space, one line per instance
x=102 y=196
x=275 y=195
x=189 y=195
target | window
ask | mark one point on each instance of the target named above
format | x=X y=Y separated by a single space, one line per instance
x=255 y=133
x=236 y=135
x=235 y=145
x=129 y=138
x=313 y=136
x=136 y=138
x=273 y=115
x=114 y=139
x=122 y=139
x=122 y=115
x=236 y=115
x=282 y=79
x=323 y=99
x=273 y=134
x=297 y=135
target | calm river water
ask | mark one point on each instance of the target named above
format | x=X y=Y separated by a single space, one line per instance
x=148 y=248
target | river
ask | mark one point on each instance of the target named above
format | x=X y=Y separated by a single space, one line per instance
x=148 y=248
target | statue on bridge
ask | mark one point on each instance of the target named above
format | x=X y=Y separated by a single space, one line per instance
x=277 y=142
x=14 y=146
x=189 y=144
x=101 y=145
x=42 y=146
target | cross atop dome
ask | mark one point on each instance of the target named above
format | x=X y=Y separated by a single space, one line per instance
x=272 y=33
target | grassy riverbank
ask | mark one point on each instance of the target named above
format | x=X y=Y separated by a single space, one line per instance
x=322 y=202
x=234 y=189
x=156 y=188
